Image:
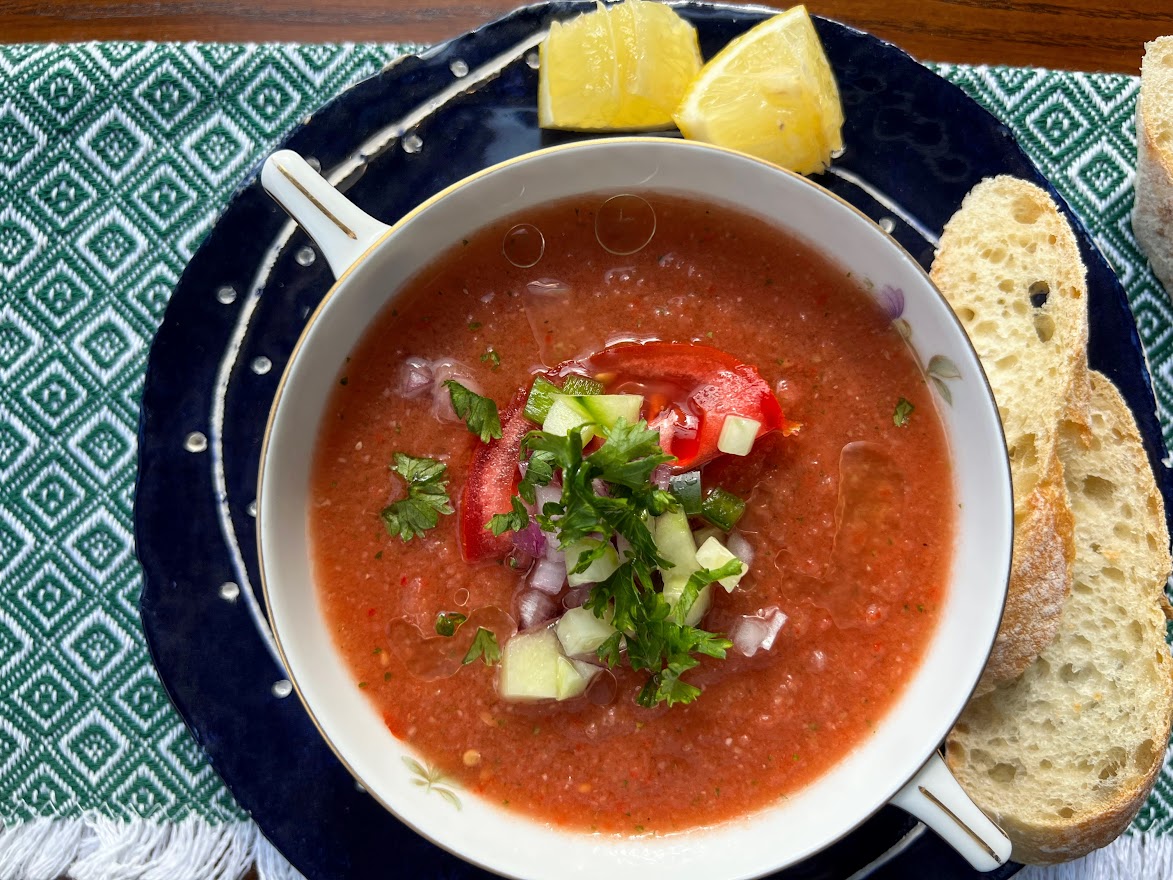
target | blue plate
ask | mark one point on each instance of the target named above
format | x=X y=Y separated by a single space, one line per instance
x=915 y=145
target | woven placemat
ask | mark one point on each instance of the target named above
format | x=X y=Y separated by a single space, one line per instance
x=115 y=158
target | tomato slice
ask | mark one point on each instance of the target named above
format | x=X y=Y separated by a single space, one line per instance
x=688 y=391
x=492 y=482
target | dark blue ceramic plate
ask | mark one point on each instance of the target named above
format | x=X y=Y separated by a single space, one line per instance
x=915 y=146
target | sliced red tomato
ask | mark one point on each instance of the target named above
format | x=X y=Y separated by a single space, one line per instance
x=688 y=391
x=492 y=482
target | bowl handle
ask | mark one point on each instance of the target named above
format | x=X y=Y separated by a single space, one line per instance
x=935 y=797
x=341 y=230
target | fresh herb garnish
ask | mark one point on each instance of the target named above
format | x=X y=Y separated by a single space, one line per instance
x=484 y=647
x=474 y=325
x=448 y=622
x=493 y=358
x=654 y=633
x=902 y=413
x=514 y=521
x=427 y=497
x=479 y=413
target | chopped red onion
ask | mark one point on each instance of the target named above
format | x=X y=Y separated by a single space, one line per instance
x=576 y=597
x=535 y=607
x=415 y=377
x=737 y=544
x=530 y=540
x=661 y=475
x=548 y=576
x=543 y=495
x=752 y=632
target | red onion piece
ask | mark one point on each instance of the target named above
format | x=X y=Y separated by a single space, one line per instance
x=415 y=377
x=576 y=597
x=752 y=632
x=549 y=576
x=737 y=544
x=535 y=607
x=660 y=476
x=531 y=540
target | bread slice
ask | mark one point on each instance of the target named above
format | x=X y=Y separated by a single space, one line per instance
x=1152 y=216
x=1064 y=756
x=1009 y=265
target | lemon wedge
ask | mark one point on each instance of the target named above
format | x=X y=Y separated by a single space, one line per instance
x=623 y=67
x=769 y=93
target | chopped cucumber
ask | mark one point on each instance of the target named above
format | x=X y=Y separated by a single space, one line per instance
x=601 y=568
x=580 y=632
x=541 y=396
x=529 y=666
x=686 y=488
x=737 y=435
x=703 y=534
x=573 y=677
x=533 y=667
x=565 y=415
x=576 y=384
x=568 y=411
x=712 y=555
x=723 y=509
x=674 y=543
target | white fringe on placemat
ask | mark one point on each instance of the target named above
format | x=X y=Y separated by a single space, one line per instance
x=1130 y=857
x=97 y=848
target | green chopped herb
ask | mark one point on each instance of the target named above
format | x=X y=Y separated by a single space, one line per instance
x=492 y=357
x=484 y=647
x=723 y=509
x=514 y=521
x=427 y=497
x=475 y=325
x=479 y=413
x=902 y=413
x=448 y=622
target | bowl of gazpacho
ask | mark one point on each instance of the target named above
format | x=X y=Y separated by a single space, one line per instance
x=633 y=504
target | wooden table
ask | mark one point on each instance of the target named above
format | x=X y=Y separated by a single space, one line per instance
x=1093 y=35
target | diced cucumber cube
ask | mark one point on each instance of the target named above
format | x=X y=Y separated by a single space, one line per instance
x=607 y=409
x=712 y=555
x=703 y=534
x=600 y=569
x=580 y=632
x=723 y=509
x=737 y=435
x=686 y=488
x=573 y=677
x=565 y=415
x=674 y=542
x=529 y=666
x=541 y=397
x=576 y=384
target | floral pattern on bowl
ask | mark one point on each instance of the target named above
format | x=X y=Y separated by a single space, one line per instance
x=939 y=367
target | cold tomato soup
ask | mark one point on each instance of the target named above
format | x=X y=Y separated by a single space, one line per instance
x=701 y=313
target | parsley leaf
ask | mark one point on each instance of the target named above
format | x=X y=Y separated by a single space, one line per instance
x=448 y=622
x=902 y=413
x=697 y=581
x=484 y=647
x=514 y=521
x=427 y=497
x=479 y=413
x=493 y=358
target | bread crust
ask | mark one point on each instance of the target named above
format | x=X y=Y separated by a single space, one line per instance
x=1152 y=215
x=1040 y=579
x=1061 y=709
x=1009 y=265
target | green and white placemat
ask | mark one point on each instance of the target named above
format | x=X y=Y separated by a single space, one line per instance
x=114 y=160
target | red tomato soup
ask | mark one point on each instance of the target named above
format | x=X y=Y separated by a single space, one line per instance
x=849 y=513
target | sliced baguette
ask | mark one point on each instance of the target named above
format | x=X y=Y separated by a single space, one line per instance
x=1009 y=265
x=1064 y=756
x=1152 y=216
